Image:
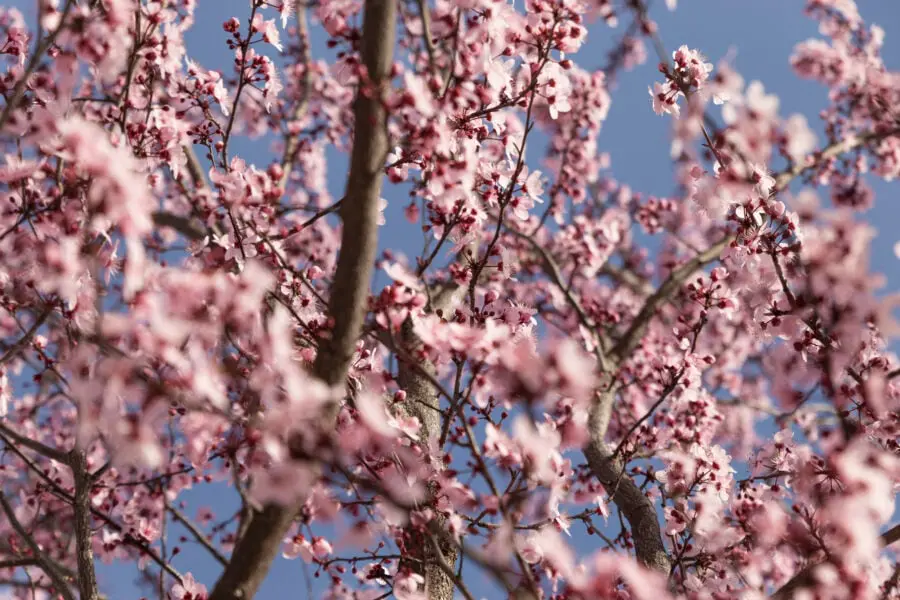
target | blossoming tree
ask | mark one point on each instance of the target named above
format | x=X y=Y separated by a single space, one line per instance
x=714 y=419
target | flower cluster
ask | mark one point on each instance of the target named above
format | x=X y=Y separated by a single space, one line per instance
x=572 y=389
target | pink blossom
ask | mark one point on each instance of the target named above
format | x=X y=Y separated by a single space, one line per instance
x=189 y=589
x=283 y=482
x=319 y=549
x=268 y=30
x=409 y=586
x=800 y=139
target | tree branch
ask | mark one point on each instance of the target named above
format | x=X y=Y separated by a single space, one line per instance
x=87 y=576
x=425 y=14
x=628 y=497
x=292 y=143
x=608 y=469
x=130 y=540
x=44 y=450
x=673 y=282
x=255 y=551
x=183 y=225
x=359 y=209
x=195 y=169
x=553 y=271
x=198 y=535
x=59 y=583
x=829 y=152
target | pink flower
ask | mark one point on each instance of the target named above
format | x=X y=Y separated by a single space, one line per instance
x=282 y=483
x=664 y=99
x=575 y=370
x=5 y=393
x=16 y=170
x=800 y=138
x=409 y=586
x=285 y=9
x=374 y=413
x=317 y=550
x=189 y=589
x=268 y=29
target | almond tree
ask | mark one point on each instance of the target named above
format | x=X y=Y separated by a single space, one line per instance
x=713 y=419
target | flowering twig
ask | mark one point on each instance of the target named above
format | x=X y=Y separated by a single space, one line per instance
x=806 y=576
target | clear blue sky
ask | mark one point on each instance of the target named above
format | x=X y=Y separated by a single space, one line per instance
x=763 y=34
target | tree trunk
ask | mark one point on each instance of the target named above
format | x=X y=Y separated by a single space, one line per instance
x=257 y=548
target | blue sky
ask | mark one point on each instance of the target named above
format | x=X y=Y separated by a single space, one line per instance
x=761 y=33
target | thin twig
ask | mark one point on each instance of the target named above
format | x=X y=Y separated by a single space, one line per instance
x=198 y=535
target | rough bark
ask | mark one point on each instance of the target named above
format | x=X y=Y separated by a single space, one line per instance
x=421 y=396
x=637 y=509
x=258 y=547
x=87 y=577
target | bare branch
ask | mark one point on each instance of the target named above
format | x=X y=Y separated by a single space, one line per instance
x=8 y=435
x=292 y=143
x=13 y=563
x=183 y=225
x=425 y=14
x=59 y=583
x=198 y=535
